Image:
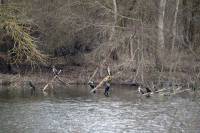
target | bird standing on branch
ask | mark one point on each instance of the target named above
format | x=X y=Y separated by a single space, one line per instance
x=92 y=85
x=144 y=91
x=55 y=71
x=140 y=90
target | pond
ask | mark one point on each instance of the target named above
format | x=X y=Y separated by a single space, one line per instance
x=75 y=110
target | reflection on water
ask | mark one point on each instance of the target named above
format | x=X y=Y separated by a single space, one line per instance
x=76 y=110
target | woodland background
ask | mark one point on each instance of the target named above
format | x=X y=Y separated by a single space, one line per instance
x=145 y=41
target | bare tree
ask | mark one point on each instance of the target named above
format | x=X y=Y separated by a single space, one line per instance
x=174 y=30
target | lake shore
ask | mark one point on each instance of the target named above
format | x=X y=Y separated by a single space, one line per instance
x=70 y=75
x=80 y=75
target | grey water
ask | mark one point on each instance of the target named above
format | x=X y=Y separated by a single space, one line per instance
x=76 y=110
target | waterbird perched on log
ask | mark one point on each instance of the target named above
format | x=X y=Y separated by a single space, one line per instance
x=148 y=90
x=55 y=71
x=33 y=88
x=144 y=91
x=107 y=88
x=106 y=81
x=140 y=90
x=92 y=85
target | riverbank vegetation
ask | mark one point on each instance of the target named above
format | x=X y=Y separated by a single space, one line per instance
x=16 y=30
x=153 y=42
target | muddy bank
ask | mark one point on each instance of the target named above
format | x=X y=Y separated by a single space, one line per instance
x=41 y=79
x=73 y=75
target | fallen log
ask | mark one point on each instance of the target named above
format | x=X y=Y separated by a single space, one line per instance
x=94 y=73
x=176 y=92
x=107 y=78
x=66 y=84
x=45 y=87
x=162 y=91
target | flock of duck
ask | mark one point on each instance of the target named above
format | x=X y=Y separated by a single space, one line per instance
x=145 y=91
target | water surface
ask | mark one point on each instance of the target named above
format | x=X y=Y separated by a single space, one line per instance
x=76 y=110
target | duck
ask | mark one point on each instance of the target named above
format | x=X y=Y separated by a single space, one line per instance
x=33 y=88
x=55 y=71
x=92 y=85
x=148 y=90
x=144 y=91
x=140 y=90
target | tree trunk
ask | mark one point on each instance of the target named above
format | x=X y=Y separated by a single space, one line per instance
x=188 y=24
x=174 y=24
x=1 y=1
x=174 y=30
x=115 y=20
x=161 y=38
